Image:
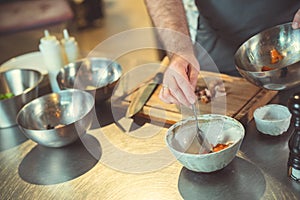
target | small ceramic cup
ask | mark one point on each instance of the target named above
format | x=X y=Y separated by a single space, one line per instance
x=272 y=119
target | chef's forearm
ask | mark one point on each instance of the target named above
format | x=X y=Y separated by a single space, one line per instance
x=170 y=14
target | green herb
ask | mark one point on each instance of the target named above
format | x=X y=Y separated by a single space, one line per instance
x=6 y=96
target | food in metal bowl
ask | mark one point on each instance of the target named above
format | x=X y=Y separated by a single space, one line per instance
x=57 y=119
x=275 y=56
x=271 y=58
x=95 y=75
x=17 y=87
x=7 y=95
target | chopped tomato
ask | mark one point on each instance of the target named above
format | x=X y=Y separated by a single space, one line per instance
x=275 y=56
x=266 y=68
x=220 y=147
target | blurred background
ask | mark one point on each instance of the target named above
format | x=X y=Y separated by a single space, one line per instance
x=22 y=24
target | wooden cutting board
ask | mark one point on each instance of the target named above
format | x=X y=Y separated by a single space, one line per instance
x=240 y=101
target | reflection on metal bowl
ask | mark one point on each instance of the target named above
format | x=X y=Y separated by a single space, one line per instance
x=57 y=119
x=256 y=53
x=95 y=75
x=23 y=85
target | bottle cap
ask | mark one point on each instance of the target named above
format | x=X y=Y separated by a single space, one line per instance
x=48 y=38
x=67 y=37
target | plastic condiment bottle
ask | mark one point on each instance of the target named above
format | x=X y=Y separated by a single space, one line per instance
x=294 y=142
x=51 y=50
x=70 y=47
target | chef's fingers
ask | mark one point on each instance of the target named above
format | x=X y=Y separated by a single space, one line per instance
x=296 y=20
x=171 y=91
x=166 y=96
x=193 y=71
x=177 y=78
x=193 y=75
x=181 y=89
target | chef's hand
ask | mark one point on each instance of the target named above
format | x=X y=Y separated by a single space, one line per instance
x=296 y=20
x=180 y=80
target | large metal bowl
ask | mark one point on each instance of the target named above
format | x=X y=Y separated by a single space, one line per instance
x=23 y=84
x=57 y=119
x=255 y=53
x=97 y=76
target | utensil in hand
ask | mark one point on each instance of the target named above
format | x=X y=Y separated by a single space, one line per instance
x=205 y=146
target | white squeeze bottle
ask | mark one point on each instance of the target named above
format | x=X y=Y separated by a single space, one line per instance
x=53 y=57
x=70 y=47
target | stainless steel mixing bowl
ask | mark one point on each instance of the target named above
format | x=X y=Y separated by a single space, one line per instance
x=23 y=85
x=95 y=75
x=255 y=53
x=57 y=119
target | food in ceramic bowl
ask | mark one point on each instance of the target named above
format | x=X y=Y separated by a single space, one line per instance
x=272 y=119
x=95 y=75
x=57 y=119
x=17 y=87
x=218 y=129
x=271 y=58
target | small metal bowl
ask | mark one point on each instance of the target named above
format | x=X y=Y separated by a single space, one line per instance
x=57 y=119
x=23 y=85
x=97 y=76
x=255 y=53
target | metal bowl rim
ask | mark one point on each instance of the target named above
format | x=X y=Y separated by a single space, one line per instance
x=288 y=24
x=29 y=89
x=23 y=109
x=72 y=64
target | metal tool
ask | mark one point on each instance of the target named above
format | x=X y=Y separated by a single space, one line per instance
x=142 y=95
x=205 y=146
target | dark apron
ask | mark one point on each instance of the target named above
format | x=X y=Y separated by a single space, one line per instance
x=225 y=24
